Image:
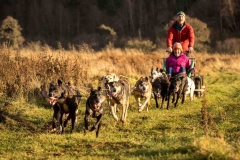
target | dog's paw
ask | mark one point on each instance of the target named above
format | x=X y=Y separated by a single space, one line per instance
x=53 y=130
x=60 y=129
x=92 y=128
x=140 y=110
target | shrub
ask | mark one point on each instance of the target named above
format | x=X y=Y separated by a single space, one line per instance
x=86 y=48
x=145 y=46
x=202 y=34
x=11 y=31
x=228 y=46
x=113 y=35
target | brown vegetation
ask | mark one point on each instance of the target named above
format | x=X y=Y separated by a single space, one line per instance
x=25 y=72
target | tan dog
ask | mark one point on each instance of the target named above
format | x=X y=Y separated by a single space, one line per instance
x=142 y=90
x=119 y=93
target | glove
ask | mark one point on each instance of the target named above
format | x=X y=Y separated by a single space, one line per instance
x=169 y=49
x=190 y=49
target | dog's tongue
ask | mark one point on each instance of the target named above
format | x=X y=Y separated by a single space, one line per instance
x=144 y=92
x=114 y=94
x=98 y=105
x=176 y=89
x=52 y=100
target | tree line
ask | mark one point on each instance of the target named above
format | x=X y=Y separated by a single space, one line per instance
x=76 y=21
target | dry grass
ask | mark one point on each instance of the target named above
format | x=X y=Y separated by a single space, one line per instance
x=34 y=67
x=207 y=128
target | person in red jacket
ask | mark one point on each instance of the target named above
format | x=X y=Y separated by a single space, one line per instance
x=181 y=32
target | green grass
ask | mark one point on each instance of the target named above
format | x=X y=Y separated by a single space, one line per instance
x=177 y=133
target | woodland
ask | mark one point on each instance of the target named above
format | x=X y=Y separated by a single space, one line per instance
x=117 y=23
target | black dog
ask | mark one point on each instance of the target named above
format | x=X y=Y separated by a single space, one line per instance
x=94 y=108
x=160 y=89
x=64 y=99
x=178 y=86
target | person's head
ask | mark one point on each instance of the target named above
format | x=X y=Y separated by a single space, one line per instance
x=177 y=49
x=180 y=17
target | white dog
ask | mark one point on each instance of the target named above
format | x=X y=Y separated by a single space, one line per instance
x=191 y=88
x=112 y=77
x=155 y=74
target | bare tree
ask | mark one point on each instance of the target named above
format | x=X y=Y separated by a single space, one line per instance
x=131 y=16
x=230 y=11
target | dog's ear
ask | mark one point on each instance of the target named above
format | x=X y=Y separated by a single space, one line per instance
x=99 y=88
x=114 y=76
x=157 y=69
x=59 y=82
x=146 y=78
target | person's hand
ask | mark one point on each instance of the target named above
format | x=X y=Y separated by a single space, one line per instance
x=169 y=49
x=190 y=49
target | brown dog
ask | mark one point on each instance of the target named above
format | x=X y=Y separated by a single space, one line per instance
x=142 y=90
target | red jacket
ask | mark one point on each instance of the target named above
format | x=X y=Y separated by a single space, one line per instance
x=185 y=36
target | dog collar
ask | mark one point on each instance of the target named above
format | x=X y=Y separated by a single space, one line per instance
x=65 y=95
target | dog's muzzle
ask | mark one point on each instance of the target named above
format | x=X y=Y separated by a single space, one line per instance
x=53 y=100
x=97 y=105
x=144 y=92
x=176 y=89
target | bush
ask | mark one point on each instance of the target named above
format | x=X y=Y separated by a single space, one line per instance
x=145 y=46
x=11 y=31
x=230 y=45
x=202 y=34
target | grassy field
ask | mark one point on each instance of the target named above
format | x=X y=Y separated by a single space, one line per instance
x=206 y=128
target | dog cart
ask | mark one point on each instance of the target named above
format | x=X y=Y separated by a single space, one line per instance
x=198 y=79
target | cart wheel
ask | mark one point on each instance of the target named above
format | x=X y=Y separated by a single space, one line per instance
x=198 y=86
